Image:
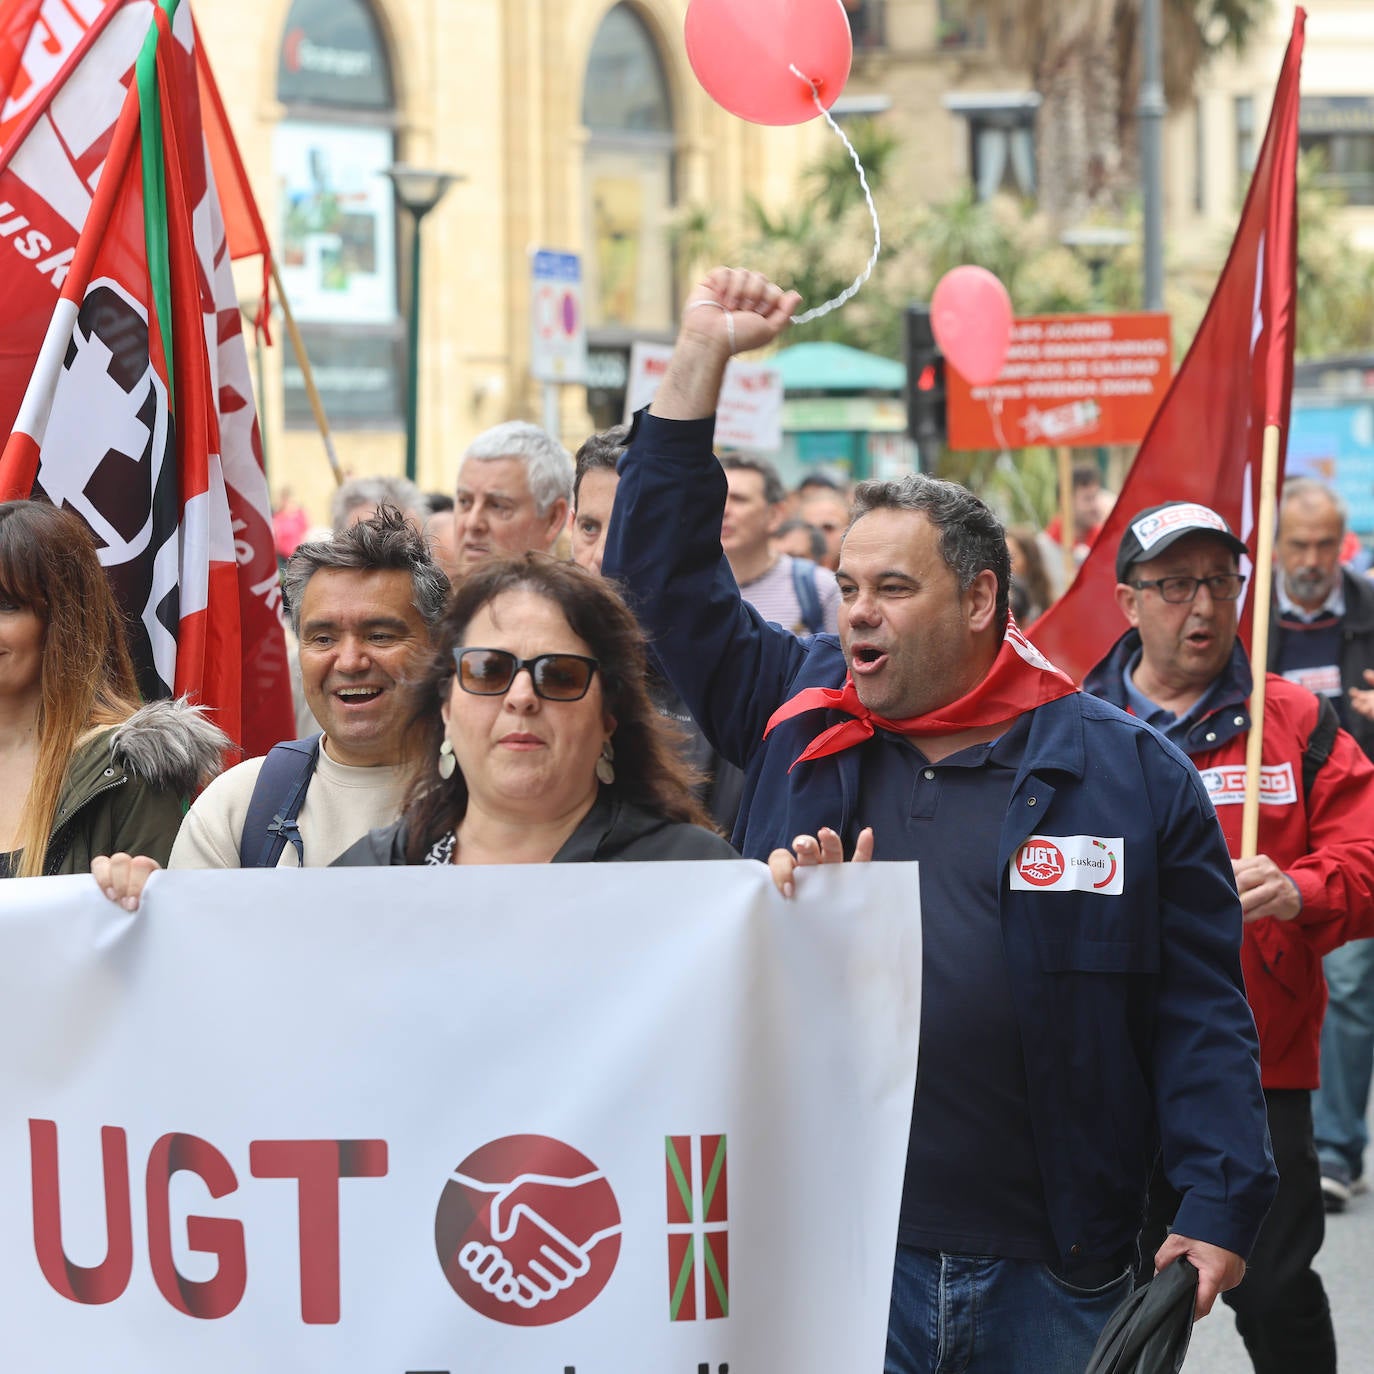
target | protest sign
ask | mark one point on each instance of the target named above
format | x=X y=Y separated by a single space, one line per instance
x=1069 y=380
x=594 y=1118
x=750 y=412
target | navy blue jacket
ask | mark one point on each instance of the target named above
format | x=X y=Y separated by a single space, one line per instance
x=1132 y=1012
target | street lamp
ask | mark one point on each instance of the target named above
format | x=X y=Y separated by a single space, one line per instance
x=419 y=190
x=1150 y=114
x=1098 y=244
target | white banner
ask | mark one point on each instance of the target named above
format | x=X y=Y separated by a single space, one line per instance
x=595 y=1119
x=749 y=414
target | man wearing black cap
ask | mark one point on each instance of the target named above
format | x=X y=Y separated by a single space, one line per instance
x=1182 y=669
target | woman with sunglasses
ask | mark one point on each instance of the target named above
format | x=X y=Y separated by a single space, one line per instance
x=537 y=739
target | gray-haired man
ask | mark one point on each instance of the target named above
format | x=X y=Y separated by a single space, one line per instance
x=514 y=492
x=360 y=498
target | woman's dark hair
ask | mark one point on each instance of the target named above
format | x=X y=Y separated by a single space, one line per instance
x=649 y=771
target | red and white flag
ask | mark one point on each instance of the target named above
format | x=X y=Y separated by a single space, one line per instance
x=124 y=383
x=1206 y=439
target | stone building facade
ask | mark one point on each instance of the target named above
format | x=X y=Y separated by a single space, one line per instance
x=574 y=124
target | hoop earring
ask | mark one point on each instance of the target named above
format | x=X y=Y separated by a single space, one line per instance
x=448 y=765
x=605 y=765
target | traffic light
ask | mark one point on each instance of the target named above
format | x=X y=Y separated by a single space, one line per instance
x=925 y=385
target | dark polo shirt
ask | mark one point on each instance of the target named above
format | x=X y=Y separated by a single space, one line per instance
x=972 y=1179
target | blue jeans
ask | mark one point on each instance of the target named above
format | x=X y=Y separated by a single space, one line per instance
x=1339 y=1105
x=965 y=1314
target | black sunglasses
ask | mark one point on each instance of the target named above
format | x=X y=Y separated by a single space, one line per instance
x=556 y=677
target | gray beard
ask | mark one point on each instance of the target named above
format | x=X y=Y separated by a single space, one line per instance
x=1308 y=589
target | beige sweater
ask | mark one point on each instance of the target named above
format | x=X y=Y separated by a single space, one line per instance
x=341 y=806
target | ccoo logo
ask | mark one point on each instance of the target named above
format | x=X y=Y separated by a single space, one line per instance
x=527 y=1230
x=1039 y=862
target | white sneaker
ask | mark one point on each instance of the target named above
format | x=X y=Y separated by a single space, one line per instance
x=1335 y=1194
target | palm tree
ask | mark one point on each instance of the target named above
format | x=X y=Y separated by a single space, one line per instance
x=1083 y=58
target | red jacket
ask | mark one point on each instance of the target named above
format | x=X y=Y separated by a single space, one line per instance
x=1324 y=843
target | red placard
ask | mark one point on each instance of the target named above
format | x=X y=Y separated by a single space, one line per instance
x=1073 y=381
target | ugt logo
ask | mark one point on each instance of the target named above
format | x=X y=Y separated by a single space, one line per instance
x=528 y=1230
x=1039 y=862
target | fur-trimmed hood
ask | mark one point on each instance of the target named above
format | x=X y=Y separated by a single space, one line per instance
x=127 y=785
x=171 y=745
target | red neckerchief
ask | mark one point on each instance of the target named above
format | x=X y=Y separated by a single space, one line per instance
x=1020 y=679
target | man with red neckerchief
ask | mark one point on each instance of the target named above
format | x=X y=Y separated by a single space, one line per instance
x=1081 y=930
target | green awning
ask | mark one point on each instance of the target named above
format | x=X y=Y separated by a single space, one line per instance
x=836 y=367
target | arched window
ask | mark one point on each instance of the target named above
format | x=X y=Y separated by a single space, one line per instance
x=338 y=218
x=630 y=191
x=626 y=91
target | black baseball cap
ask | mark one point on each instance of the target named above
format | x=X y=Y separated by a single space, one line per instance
x=1160 y=527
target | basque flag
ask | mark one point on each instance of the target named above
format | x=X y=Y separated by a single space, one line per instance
x=698 y=1227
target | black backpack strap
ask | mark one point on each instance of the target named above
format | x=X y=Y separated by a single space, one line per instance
x=808 y=599
x=276 y=802
x=1319 y=744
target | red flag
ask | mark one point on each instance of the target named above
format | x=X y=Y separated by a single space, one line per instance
x=50 y=160
x=1206 y=439
x=138 y=414
x=243 y=226
x=17 y=21
x=40 y=41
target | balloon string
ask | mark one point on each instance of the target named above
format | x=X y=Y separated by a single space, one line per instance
x=852 y=290
x=995 y=412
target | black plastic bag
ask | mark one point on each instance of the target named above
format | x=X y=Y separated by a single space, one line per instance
x=1149 y=1332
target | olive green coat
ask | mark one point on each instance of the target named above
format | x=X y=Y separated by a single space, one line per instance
x=126 y=787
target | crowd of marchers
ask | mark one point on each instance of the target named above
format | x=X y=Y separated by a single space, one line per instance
x=648 y=652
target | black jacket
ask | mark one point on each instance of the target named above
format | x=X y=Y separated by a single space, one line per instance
x=611 y=832
x=722 y=784
x=1357 y=647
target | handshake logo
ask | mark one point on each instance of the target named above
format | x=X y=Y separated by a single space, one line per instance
x=528 y=1230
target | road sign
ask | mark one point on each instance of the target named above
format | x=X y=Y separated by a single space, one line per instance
x=1072 y=381
x=558 y=331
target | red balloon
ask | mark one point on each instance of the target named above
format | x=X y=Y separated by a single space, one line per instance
x=743 y=50
x=970 y=316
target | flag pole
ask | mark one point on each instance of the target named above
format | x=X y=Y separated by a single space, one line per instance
x=1259 y=639
x=307 y=373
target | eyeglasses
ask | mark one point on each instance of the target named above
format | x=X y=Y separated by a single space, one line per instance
x=556 y=677
x=1223 y=586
